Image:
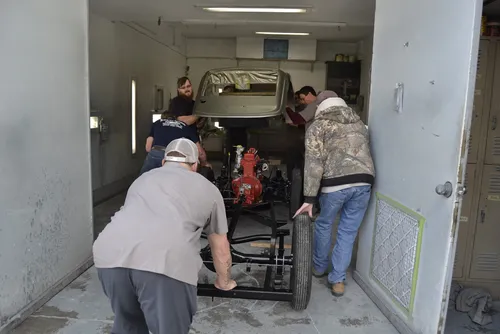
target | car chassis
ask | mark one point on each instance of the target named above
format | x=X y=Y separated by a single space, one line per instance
x=276 y=190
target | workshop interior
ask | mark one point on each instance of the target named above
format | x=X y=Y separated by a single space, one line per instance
x=64 y=181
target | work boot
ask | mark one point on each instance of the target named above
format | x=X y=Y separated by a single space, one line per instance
x=338 y=289
x=318 y=274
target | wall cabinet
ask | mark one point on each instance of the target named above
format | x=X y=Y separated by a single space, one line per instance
x=477 y=259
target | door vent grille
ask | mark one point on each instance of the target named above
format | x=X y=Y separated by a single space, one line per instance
x=487 y=262
x=395 y=250
x=496 y=146
x=494 y=185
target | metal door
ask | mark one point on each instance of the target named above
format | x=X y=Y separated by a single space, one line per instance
x=422 y=89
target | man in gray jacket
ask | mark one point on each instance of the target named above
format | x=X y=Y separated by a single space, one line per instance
x=338 y=162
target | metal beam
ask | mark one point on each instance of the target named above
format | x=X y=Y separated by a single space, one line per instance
x=246 y=293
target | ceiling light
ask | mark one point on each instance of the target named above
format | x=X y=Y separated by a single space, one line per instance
x=281 y=10
x=266 y=23
x=282 y=33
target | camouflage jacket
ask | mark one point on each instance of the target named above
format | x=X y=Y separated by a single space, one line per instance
x=337 y=149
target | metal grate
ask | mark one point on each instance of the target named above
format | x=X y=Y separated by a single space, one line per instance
x=479 y=56
x=395 y=251
x=469 y=148
x=496 y=146
x=494 y=185
x=487 y=262
x=466 y=179
x=482 y=63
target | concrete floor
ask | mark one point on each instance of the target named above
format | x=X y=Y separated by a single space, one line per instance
x=460 y=323
x=82 y=308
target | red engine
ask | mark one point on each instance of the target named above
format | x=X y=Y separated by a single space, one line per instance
x=248 y=184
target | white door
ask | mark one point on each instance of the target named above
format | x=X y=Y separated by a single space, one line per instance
x=428 y=48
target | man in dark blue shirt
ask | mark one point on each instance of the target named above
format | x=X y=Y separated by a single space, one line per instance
x=182 y=105
x=161 y=134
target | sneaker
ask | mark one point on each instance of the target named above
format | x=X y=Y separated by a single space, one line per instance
x=338 y=289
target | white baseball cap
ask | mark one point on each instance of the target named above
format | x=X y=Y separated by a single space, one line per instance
x=184 y=146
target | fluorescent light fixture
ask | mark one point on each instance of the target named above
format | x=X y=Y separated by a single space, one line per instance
x=266 y=23
x=133 y=106
x=280 y=10
x=282 y=33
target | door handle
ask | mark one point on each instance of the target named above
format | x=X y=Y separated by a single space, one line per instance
x=445 y=189
x=483 y=216
x=494 y=123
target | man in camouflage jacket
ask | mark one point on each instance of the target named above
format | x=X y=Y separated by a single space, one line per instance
x=338 y=163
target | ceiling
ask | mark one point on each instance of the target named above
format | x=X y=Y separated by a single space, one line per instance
x=491 y=8
x=194 y=22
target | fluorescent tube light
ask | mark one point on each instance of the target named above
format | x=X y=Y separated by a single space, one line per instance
x=281 y=10
x=282 y=33
x=263 y=22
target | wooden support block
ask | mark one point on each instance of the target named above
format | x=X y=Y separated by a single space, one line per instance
x=266 y=245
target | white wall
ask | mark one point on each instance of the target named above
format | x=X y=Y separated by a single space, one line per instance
x=118 y=53
x=45 y=194
x=366 y=55
x=204 y=54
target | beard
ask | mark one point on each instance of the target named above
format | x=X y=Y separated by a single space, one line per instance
x=187 y=96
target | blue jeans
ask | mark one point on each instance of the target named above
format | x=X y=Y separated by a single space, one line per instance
x=153 y=160
x=353 y=202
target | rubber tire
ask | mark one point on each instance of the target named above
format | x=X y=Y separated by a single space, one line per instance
x=302 y=250
x=296 y=197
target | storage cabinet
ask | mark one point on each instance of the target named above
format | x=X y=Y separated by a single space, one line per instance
x=486 y=251
x=477 y=258
x=465 y=219
x=344 y=78
x=478 y=106
x=492 y=156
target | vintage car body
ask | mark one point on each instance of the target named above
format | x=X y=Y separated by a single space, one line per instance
x=244 y=93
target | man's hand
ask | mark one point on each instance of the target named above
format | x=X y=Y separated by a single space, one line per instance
x=306 y=207
x=226 y=286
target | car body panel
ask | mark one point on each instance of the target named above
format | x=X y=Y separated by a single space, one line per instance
x=244 y=93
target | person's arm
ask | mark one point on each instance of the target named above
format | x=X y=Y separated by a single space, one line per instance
x=189 y=120
x=201 y=122
x=202 y=155
x=149 y=144
x=195 y=138
x=216 y=230
x=313 y=169
x=221 y=254
x=294 y=118
x=308 y=113
x=150 y=139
